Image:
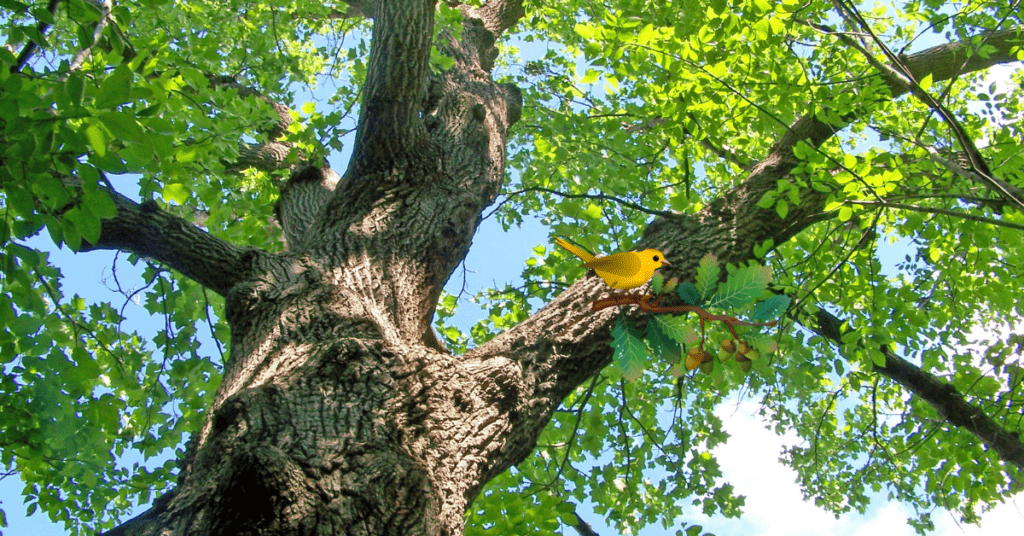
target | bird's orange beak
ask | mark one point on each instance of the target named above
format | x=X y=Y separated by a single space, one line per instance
x=665 y=263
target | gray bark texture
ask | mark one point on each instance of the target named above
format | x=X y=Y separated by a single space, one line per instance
x=334 y=417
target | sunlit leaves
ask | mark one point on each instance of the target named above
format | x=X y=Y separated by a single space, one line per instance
x=97 y=139
x=178 y=193
x=663 y=105
x=723 y=86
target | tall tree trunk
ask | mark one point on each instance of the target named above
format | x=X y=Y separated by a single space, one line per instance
x=334 y=417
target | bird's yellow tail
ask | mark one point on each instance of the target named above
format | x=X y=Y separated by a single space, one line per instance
x=587 y=257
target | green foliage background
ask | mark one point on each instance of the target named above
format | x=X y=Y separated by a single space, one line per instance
x=633 y=108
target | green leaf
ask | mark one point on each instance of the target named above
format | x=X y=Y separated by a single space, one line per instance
x=782 y=208
x=770 y=308
x=674 y=327
x=14 y=6
x=688 y=293
x=707 y=276
x=661 y=344
x=877 y=358
x=43 y=15
x=926 y=82
x=85 y=224
x=592 y=212
x=97 y=139
x=763 y=342
x=21 y=201
x=176 y=192
x=656 y=283
x=123 y=126
x=742 y=287
x=586 y=31
x=98 y=202
x=768 y=199
x=630 y=350
x=52 y=190
x=115 y=89
x=83 y=12
x=74 y=88
x=69 y=229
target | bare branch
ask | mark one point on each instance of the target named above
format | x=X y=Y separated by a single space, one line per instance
x=603 y=197
x=147 y=231
x=940 y=395
x=937 y=210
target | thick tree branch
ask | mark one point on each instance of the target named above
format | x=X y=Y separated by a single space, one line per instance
x=302 y=197
x=498 y=15
x=940 y=395
x=147 y=231
x=389 y=126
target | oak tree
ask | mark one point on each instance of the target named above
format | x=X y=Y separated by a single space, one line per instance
x=805 y=135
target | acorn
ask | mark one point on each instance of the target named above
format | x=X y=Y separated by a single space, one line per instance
x=695 y=357
x=744 y=348
x=708 y=364
x=744 y=363
x=728 y=350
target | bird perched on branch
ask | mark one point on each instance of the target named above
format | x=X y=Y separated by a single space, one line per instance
x=621 y=270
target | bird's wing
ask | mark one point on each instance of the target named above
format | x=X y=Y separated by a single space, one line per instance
x=618 y=264
x=587 y=257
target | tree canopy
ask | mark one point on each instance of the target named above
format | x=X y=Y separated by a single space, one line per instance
x=803 y=135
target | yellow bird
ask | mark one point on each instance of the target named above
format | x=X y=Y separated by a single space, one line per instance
x=621 y=270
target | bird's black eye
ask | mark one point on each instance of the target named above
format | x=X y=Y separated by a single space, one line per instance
x=656 y=258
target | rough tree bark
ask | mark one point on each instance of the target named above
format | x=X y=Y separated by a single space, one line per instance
x=333 y=416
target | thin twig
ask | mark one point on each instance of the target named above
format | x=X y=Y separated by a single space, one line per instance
x=603 y=197
x=937 y=210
